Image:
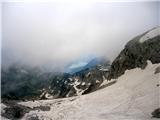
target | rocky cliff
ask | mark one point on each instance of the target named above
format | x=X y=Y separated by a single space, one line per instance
x=136 y=53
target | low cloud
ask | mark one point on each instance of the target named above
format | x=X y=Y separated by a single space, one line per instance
x=55 y=34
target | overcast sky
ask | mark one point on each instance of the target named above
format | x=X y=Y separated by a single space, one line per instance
x=58 y=33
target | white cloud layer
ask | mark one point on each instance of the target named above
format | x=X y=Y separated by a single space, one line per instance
x=58 y=33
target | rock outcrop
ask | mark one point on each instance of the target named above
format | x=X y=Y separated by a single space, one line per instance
x=136 y=53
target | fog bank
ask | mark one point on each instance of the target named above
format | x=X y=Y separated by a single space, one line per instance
x=55 y=34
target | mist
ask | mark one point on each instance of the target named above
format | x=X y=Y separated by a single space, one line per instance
x=55 y=34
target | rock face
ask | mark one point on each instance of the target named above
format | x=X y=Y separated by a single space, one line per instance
x=81 y=82
x=156 y=113
x=136 y=53
x=87 y=80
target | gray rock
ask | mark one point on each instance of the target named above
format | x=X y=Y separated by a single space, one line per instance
x=135 y=54
x=156 y=113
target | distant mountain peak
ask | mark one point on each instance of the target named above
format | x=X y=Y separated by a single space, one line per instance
x=81 y=65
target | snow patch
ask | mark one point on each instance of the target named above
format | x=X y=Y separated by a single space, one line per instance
x=149 y=35
x=78 y=91
x=104 y=69
x=83 y=83
x=88 y=74
x=48 y=96
x=3 y=106
x=103 y=77
x=97 y=81
x=70 y=79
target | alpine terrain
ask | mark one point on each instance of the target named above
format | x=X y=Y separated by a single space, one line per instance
x=126 y=89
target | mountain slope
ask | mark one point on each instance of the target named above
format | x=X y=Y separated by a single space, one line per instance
x=136 y=53
x=24 y=83
x=132 y=93
x=134 y=96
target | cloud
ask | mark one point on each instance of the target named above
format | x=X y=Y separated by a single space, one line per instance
x=55 y=34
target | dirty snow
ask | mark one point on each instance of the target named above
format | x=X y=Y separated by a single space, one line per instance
x=133 y=97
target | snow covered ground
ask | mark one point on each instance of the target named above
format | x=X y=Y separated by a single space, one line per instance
x=134 y=96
